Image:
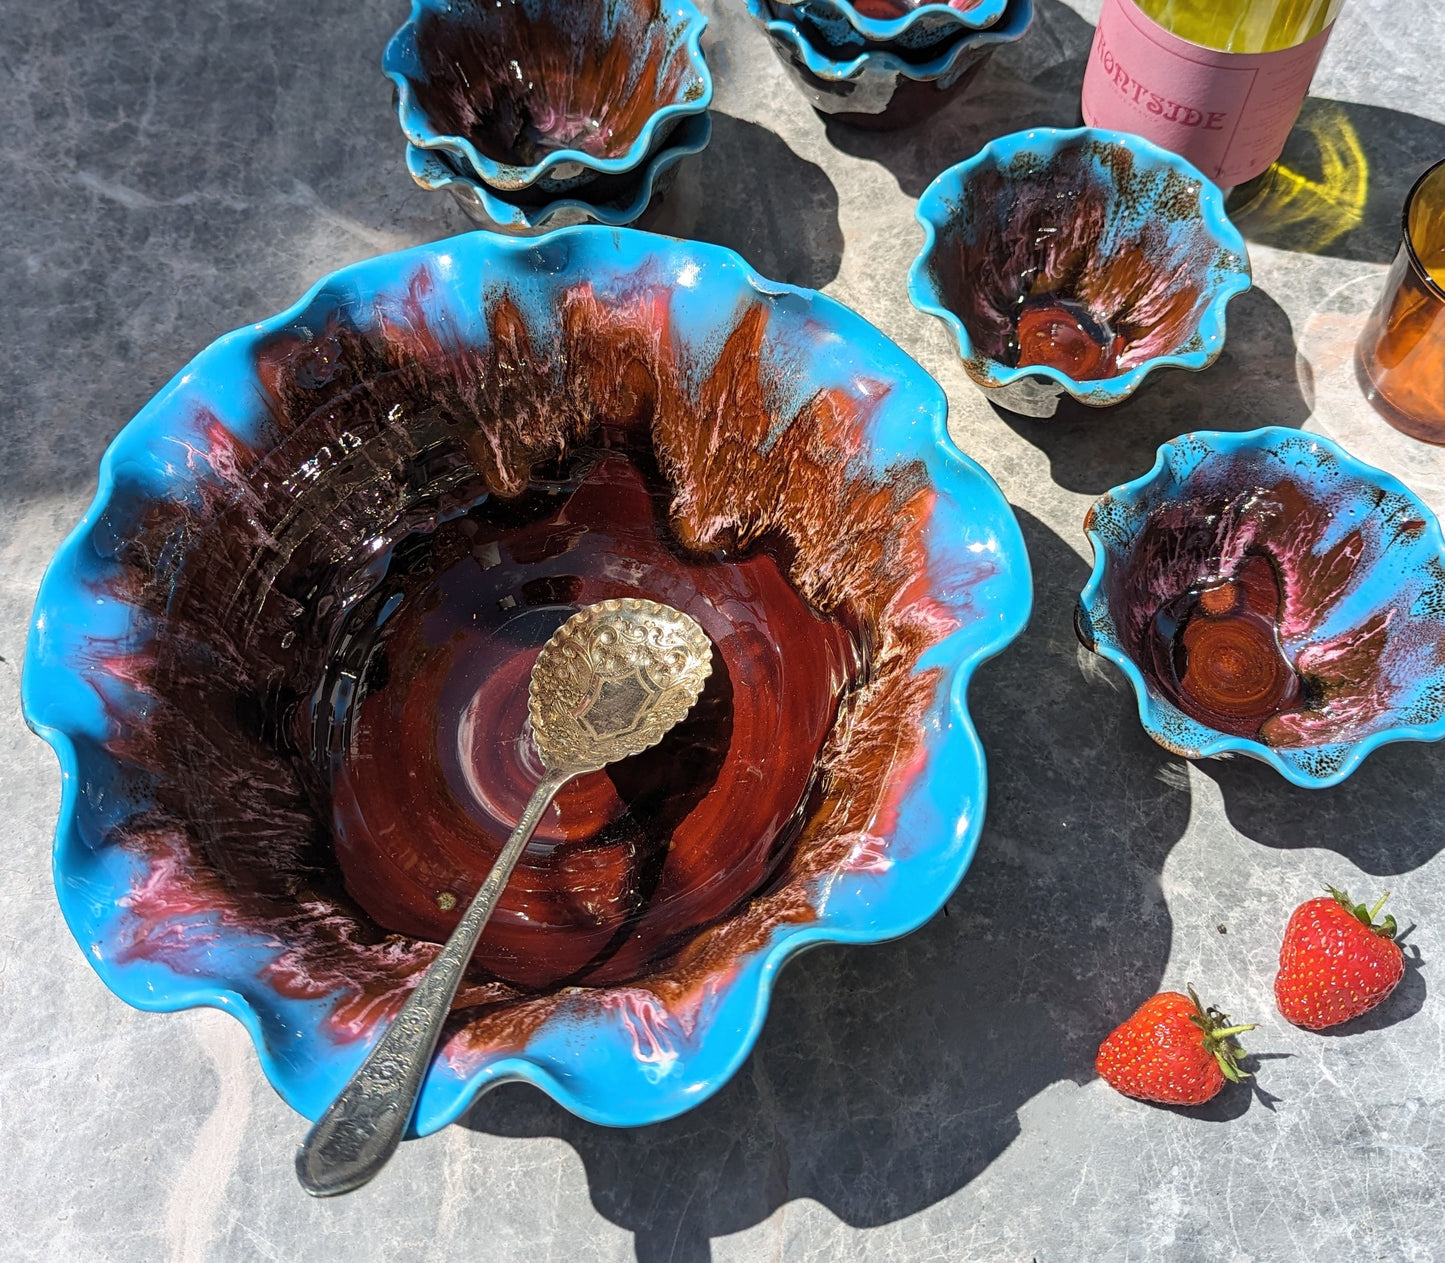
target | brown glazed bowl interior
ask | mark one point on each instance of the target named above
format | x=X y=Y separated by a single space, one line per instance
x=287 y=656
x=549 y=93
x=1078 y=260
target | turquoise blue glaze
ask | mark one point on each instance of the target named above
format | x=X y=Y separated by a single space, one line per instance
x=1407 y=573
x=434 y=169
x=885 y=66
x=402 y=65
x=941 y=204
x=923 y=27
x=587 y=1060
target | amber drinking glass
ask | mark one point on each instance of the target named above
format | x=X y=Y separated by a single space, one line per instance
x=1401 y=357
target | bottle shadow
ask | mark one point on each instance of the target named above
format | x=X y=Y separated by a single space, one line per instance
x=750 y=192
x=1033 y=82
x=889 y=1077
x=1092 y=449
x=1340 y=185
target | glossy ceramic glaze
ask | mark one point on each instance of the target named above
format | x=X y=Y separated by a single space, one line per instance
x=1076 y=262
x=1400 y=360
x=896 y=25
x=624 y=202
x=547 y=93
x=878 y=89
x=434 y=765
x=1268 y=594
x=296 y=622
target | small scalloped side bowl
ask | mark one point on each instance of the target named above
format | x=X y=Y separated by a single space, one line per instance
x=1346 y=565
x=915 y=27
x=372 y=427
x=882 y=90
x=547 y=93
x=435 y=169
x=1121 y=250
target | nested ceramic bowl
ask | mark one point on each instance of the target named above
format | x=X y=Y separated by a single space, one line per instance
x=1268 y=594
x=1076 y=262
x=888 y=24
x=283 y=661
x=881 y=90
x=627 y=197
x=547 y=94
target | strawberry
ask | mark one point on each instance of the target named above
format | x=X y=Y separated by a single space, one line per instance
x=1173 y=1050
x=1335 y=962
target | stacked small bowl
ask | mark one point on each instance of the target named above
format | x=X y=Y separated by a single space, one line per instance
x=882 y=64
x=539 y=114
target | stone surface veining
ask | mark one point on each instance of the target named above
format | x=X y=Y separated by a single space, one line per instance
x=172 y=170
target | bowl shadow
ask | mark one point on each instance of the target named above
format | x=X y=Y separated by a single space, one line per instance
x=889 y=1077
x=750 y=192
x=1371 y=819
x=1093 y=449
x=1033 y=82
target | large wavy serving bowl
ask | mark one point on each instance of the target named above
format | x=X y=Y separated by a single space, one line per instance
x=900 y=24
x=878 y=89
x=1268 y=594
x=547 y=93
x=1109 y=233
x=531 y=216
x=283 y=661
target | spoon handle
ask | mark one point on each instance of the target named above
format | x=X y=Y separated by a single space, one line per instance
x=362 y=1127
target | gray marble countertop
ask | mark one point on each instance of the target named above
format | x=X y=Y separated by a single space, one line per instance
x=169 y=171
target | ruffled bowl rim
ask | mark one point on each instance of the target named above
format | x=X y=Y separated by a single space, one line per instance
x=505 y=177
x=59 y=704
x=935 y=209
x=1096 y=624
x=1014 y=25
x=888 y=30
x=434 y=169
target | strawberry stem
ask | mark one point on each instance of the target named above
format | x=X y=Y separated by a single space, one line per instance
x=1219 y=1038
x=1230 y=1031
x=1366 y=916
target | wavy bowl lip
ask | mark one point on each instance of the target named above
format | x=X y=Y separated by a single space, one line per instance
x=435 y=169
x=1095 y=624
x=941 y=197
x=887 y=30
x=399 y=57
x=1016 y=21
x=60 y=705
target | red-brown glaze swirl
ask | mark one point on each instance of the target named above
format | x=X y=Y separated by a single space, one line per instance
x=438 y=764
x=383 y=446
x=520 y=84
x=1230 y=668
x=1055 y=332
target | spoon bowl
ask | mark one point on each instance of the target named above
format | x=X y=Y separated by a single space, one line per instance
x=611 y=682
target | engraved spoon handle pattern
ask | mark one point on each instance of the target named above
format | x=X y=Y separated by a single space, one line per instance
x=361 y=1129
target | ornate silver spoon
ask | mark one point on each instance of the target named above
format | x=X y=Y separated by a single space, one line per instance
x=612 y=681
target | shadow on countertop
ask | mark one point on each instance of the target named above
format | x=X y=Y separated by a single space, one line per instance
x=1093 y=449
x=1034 y=82
x=1372 y=819
x=1340 y=186
x=889 y=1077
x=750 y=192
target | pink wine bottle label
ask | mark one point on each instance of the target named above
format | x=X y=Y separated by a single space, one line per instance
x=1228 y=113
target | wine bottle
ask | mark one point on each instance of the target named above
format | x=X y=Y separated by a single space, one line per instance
x=1219 y=81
